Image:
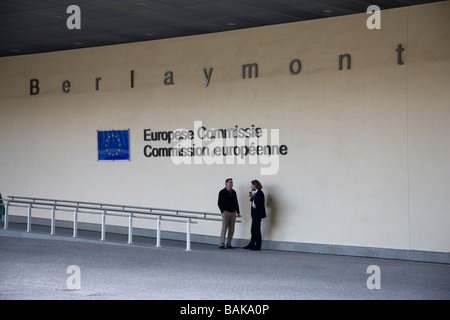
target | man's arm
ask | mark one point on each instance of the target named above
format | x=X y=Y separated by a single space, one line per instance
x=237 y=204
x=220 y=201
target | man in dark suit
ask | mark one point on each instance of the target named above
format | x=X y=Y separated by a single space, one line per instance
x=229 y=207
x=258 y=213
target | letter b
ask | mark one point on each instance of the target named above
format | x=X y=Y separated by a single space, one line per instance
x=34 y=87
x=227 y=309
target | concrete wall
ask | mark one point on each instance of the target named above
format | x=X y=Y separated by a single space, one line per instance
x=368 y=153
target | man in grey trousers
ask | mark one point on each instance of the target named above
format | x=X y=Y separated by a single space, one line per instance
x=229 y=207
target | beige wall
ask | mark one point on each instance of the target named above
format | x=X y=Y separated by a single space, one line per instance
x=368 y=148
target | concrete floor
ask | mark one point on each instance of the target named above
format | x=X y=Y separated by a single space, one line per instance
x=34 y=265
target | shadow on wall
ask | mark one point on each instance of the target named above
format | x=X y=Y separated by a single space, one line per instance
x=272 y=211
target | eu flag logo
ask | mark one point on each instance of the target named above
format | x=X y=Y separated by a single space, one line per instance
x=113 y=145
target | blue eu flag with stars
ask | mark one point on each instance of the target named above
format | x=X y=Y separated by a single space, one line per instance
x=113 y=145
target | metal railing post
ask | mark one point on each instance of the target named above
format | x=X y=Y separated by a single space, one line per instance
x=103 y=226
x=29 y=219
x=158 y=232
x=188 y=235
x=75 y=223
x=130 y=229
x=5 y=222
x=52 y=223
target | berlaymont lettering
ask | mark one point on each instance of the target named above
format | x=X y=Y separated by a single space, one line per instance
x=238 y=145
x=248 y=71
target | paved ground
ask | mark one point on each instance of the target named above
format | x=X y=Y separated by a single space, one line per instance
x=34 y=265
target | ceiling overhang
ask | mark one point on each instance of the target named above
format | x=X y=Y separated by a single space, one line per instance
x=35 y=26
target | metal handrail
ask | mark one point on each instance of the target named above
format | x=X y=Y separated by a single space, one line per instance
x=99 y=210
x=103 y=209
x=103 y=205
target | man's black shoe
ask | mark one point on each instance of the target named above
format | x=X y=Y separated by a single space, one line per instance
x=221 y=247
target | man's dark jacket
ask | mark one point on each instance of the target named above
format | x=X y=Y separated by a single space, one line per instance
x=228 y=201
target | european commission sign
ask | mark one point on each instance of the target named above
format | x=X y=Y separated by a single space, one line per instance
x=113 y=145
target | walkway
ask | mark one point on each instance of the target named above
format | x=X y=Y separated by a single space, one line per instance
x=33 y=266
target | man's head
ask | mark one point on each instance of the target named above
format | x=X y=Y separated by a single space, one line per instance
x=229 y=183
